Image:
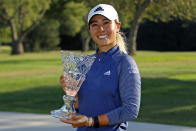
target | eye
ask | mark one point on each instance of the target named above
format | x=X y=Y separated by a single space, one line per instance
x=106 y=22
x=94 y=24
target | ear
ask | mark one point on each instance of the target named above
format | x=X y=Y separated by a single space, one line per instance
x=118 y=25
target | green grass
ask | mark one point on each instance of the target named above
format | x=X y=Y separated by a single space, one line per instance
x=30 y=83
x=168 y=87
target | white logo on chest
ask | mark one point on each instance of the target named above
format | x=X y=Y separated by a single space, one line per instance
x=107 y=73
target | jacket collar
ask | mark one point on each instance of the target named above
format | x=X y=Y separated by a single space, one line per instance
x=109 y=52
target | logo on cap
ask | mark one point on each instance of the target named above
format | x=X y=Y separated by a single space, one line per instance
x=99 y=9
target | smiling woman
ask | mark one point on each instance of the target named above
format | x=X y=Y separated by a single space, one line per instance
x=110 y=95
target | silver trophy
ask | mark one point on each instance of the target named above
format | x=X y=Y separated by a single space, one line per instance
x=75 y=68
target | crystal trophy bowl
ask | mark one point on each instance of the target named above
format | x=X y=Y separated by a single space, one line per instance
x=75 y=68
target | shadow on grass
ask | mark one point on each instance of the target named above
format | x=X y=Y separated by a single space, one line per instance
x=36 y=100
x=168 y=101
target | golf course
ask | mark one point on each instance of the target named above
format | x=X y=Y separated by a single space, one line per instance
x=30 y=83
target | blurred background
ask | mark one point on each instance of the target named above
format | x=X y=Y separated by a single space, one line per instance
x=161 y=25
x=160 y=35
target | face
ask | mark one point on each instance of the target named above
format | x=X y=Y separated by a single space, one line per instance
x=103 y=32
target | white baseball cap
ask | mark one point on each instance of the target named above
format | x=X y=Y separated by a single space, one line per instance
x=104 y=9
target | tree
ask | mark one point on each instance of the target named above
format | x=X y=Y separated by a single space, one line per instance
x=45 y=36
x=72 y=20
x=71 y=15
x=22 y=16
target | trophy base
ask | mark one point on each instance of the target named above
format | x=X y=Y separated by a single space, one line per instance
x=60 y=114
x=66 y=110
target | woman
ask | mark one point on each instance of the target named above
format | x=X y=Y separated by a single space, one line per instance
x=110 y=95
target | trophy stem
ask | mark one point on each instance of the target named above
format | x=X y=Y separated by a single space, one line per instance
x=69 y=102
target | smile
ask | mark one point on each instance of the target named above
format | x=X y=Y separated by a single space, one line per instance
x=102 y=36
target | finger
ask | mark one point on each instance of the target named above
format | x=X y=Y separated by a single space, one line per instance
x=63 y=83
x=62 y=77
x=67 y=121
x=74 y=116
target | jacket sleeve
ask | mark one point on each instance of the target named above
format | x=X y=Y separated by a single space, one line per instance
x=130 y=92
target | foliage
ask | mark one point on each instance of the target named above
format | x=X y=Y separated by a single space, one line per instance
x=4 y=32
x=70 y=14
x=24 y=12
x=22 y=16
x=167 y=10
x=44 y=37
x=5 y=35
x=72 y=20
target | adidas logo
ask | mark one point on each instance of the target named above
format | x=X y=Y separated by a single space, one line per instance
x=99 y=9
x=107 y=73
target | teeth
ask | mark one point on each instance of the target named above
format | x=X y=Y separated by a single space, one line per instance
x=103 y=36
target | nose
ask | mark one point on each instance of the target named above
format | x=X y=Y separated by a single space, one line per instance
x=101 y=28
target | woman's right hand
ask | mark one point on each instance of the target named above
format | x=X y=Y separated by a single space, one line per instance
x=69 y=85
x=67 y=80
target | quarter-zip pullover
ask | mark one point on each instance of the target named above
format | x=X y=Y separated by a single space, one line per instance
x=112 y=87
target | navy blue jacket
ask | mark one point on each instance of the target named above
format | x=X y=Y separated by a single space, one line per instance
x=112 y=86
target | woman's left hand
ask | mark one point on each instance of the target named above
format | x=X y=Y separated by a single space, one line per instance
x=76 y=120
